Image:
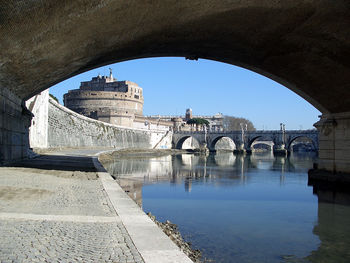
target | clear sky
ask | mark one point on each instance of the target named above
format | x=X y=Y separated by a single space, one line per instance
x=170 y=85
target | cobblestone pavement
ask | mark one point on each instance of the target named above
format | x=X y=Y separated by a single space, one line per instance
x=59 y=216
x=52 y=241
x=27 y=190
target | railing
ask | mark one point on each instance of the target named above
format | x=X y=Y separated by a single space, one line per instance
x=248 y=132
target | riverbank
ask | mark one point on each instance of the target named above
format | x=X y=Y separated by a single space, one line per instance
x=54 y=209
x=171 y=230
x=167 y=227
x=55 y=206
x=109 y=156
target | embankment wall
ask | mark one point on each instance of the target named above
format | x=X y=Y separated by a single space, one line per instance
x=69 y=129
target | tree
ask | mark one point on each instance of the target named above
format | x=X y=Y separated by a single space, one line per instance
x=54 y=97
x=198 y=122
x=231 y=123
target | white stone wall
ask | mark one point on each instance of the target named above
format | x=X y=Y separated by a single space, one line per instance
x=38 y=131
x=161 y=140
x=69 y=129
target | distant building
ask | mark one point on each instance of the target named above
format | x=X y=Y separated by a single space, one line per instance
x=179 y=122
x=117 y=102
x=121 y=103
x=188 y=115
x=106 y=99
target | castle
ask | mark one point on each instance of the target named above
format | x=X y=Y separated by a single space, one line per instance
x=105 y=99
x=121 y=103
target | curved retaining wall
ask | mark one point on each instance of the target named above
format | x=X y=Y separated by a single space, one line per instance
x=69 y=129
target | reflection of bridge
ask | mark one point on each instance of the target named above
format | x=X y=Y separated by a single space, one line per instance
x=243 y=142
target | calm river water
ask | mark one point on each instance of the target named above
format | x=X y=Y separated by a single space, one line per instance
x=257 y=208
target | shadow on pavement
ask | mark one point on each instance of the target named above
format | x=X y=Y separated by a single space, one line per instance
x=57 y=162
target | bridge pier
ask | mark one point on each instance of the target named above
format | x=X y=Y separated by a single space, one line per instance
x=280 y=150
x=14 y=127
x=334 y=142
x=241 y=149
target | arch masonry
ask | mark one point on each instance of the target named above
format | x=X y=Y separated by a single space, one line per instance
x=303 y=45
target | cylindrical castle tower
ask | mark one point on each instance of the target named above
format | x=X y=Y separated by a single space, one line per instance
x=106 y=99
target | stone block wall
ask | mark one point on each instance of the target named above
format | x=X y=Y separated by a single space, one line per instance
x=334 y=142
x=14 y=124
x=69 y=129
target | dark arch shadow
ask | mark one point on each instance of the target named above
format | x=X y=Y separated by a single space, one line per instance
x=297 y=137
x=253 y=140
x=262 y=143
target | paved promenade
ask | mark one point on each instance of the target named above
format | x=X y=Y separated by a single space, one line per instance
x=70 y=214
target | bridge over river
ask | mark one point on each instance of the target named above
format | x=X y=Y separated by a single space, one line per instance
x=281 y=141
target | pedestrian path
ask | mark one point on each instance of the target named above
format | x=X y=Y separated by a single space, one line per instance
x=59 y=208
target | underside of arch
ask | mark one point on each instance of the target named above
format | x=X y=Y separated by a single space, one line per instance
x=292 y=42
x=181 y=141
x=217 y=139
x=294 y=139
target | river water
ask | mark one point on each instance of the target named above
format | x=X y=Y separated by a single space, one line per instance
x=256 y=208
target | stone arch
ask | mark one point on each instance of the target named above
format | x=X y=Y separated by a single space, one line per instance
x=217 y=139
x=251 y=141
x=291 y=42
x=270 y=145
x=180 y=142
x=262 y=138
x=314 y=144
x=265 y=48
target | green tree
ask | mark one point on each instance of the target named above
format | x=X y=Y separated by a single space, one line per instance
x=53 y=97
x=198 y=122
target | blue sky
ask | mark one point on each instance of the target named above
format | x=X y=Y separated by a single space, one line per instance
x=170 y=85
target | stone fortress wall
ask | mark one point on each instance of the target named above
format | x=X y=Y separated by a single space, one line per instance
x=55 y=126
x=69 y=129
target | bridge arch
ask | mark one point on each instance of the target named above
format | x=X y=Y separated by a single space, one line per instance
x=308 y=138
x=291 y=42
x=254 y=139
x=269 y=144
x=54 y=55
x=232 y=145
x=180 y=142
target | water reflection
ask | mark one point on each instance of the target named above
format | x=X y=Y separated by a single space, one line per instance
x=255 y=208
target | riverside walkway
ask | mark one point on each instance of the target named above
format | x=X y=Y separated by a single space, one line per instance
x=62 y=207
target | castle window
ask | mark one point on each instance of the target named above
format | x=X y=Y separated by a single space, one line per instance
x=136 y=96
x=93 y=94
